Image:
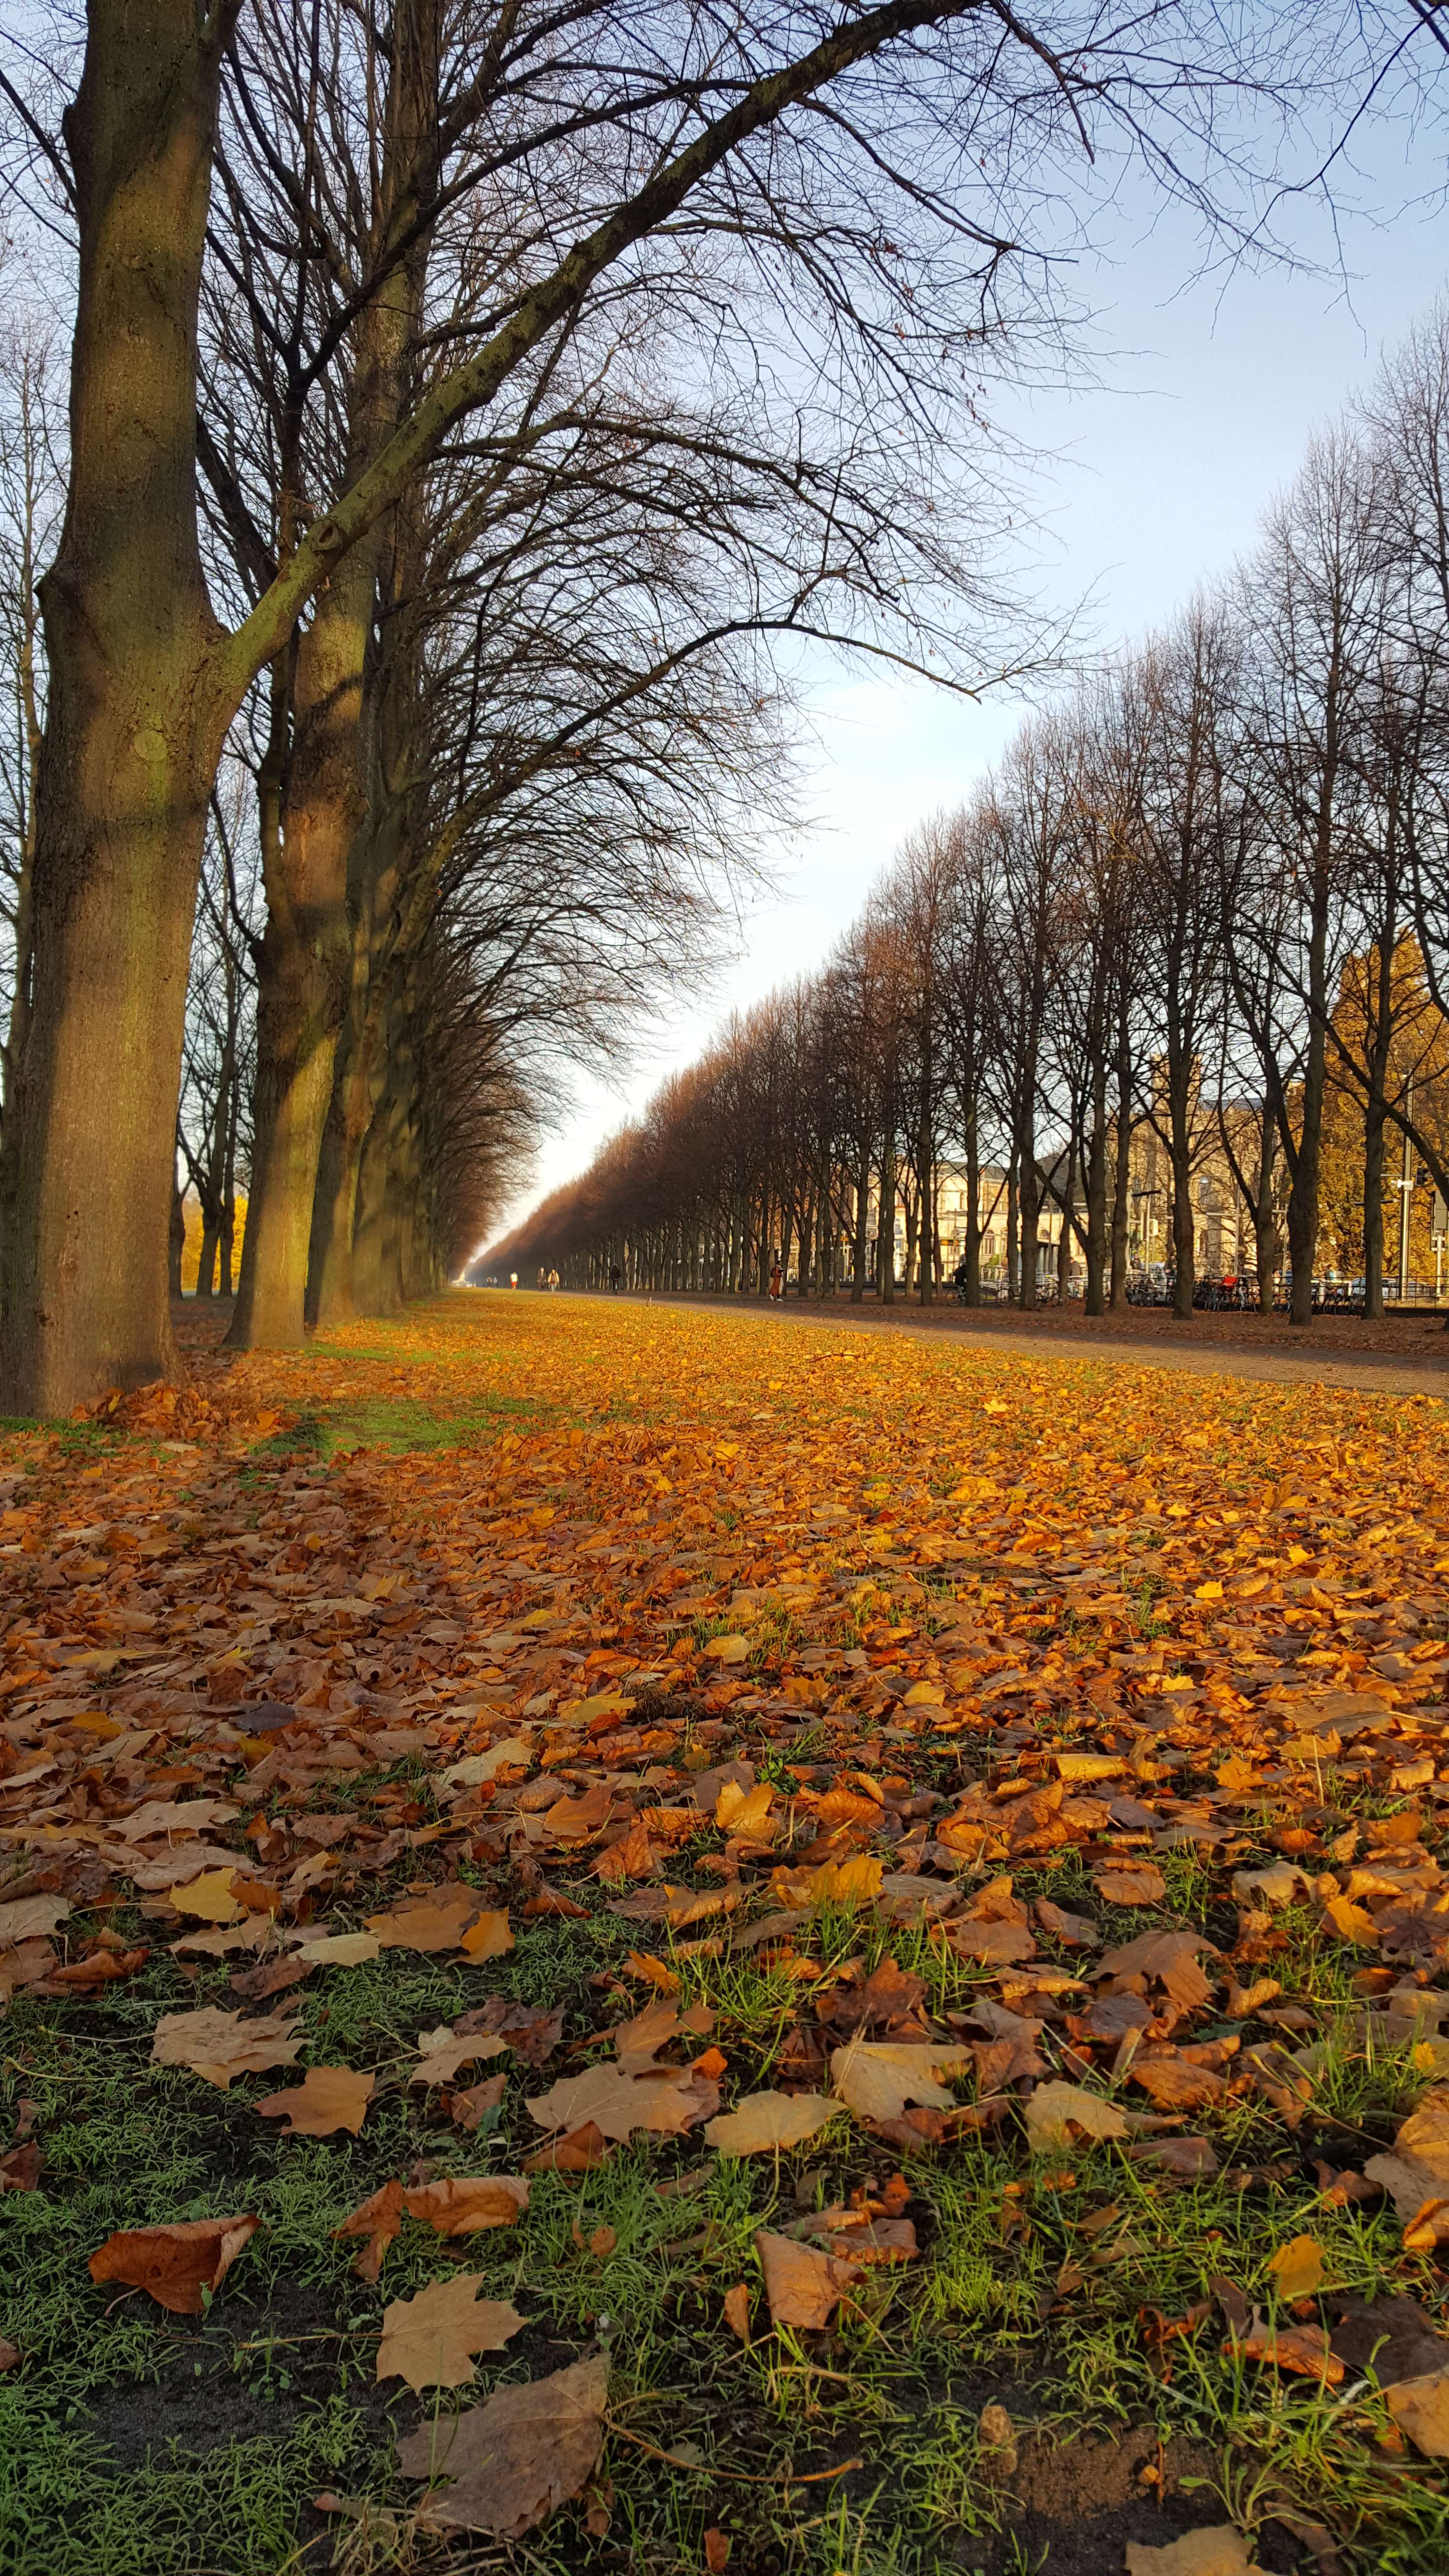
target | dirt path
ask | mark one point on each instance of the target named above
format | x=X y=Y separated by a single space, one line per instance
x=1415 y=1361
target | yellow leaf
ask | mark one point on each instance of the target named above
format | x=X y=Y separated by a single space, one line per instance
x=1297 y=2268
x=1208 y=1592
x=489 y=1937
x=209 y=1897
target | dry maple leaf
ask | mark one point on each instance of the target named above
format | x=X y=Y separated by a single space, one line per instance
x=219 y=2046
x=803 y=2288
x=1304 y=2350
x=1175 y=2084
x=31 y=1918
x=462 y=2205
x=665 y=2099
x=435 y=1922
x=338 y=1949
x=766 y=2121
x=514 y=2459
x=327 y=2099
x=175 y=2264
x=430 y=2340
x=378 y=2219
x=877 y=2078
x=1168 y=1957
x=1417 y=2172
x=210 y=1897
x=1136 y=1884
x=1057 y=2111
x=579 y=2152
x=637 y=2043
x=1421 y=2409
x=488 y=1938
x=441 y=2053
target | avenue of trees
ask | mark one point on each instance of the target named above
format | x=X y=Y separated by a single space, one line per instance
x=1205 y=895
x=422 y=420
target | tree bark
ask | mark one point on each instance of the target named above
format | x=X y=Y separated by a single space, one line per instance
x=135 y=724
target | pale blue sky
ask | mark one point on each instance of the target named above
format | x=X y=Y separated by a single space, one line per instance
x=1161 y=472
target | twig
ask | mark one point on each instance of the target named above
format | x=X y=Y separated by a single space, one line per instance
x=733 y=2477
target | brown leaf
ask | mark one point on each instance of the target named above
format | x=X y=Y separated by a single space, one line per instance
x=716 y=2550
x=1056 y=2111
x=174 y=2265
x=1191 y=2159
x=579 y=2152
x=1137 y=1884
x=667 y=2100
x=888 y=2000
x=460 y=2206
x=1074 y=1931
x=1301 y=2349
x=441 y=2053
x=20 y=2169
x=379 y=2220
x=515 y=2458
x=737 y=2311
x=430 y=2340
x=803 y=2288
x=532 y=2031
x=877 y=2078
x=1167 y=1958
x=1421 y=2408
x=219 y=2046
x=1175 y=2084
x=468 y=2110
x=328 y=2098
x=9 y=2354
x=434 y=1922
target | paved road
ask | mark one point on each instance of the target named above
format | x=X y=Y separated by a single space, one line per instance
x=1316 y=1367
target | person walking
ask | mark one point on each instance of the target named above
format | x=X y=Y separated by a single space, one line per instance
x=615 y=1274
x=553 y=1279
x=777 y=1281
x=513 y=1279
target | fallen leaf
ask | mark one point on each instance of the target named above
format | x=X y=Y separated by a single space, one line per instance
x=716 y=2550
x=339 y=1949
x=20 y=2167
x=378 y=2220
x=877 y=2078
x=435 y=1922
x=468 y=2110
x=666 y=2100
x=737 y=2311
x=579 y=2152
x=31 y=1918
x=1297 y=2269
x=1421 y=2408
x=430 y=2340
x=461 y=2205
x=803 y=2288
x=766 y=2121
x=1055 y=2111
x=176 y=2264
x=488 y=1938
x=441 y=2052
x=514 y=2459
x=327 y=2099
x=219 y=2046
x=1140 y=1885
x=210 y=1898
x=1221 y=2551
x=1304 y=2350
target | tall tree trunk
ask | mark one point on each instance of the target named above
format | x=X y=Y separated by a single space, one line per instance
x=135 y=722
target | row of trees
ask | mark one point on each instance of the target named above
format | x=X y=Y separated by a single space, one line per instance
x=463 y=396
x=1205 y=899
